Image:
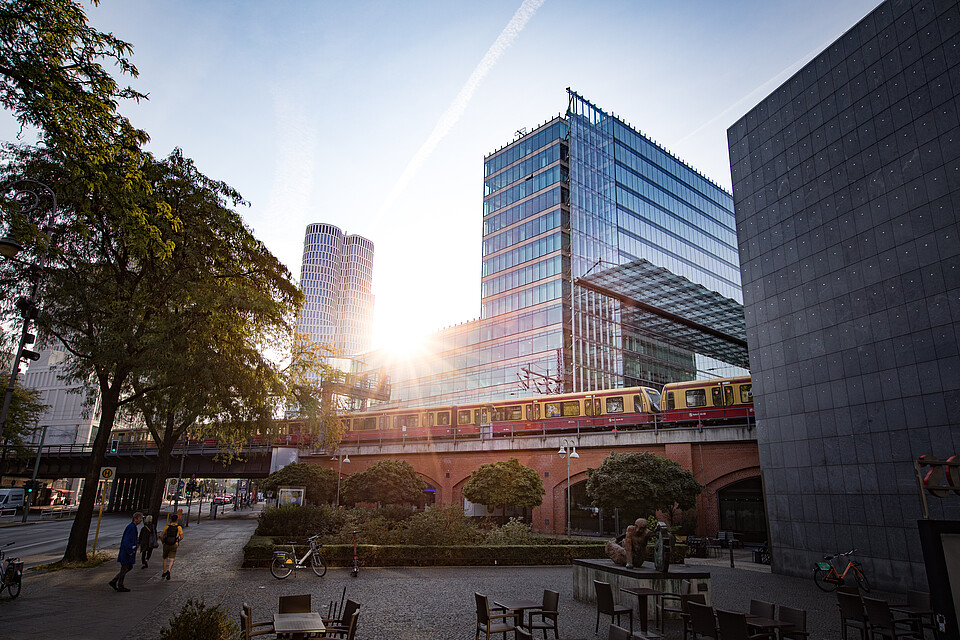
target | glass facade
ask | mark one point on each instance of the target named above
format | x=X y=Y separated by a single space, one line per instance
x=336 y=276
x=581 y=193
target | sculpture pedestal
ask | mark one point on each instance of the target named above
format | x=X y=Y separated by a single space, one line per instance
x=586 y=571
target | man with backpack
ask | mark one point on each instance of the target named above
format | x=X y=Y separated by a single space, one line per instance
x=172 y=535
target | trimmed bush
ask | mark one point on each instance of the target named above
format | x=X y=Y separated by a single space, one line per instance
x=296 y=522
x=514 y=532
x=440 y=526
x=196 y=620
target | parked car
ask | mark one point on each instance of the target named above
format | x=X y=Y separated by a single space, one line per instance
x=12 y=498
x=223 y=499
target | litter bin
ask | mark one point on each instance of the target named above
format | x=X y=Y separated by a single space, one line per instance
x=213 y=510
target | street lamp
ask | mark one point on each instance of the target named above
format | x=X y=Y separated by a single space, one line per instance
x=29 y=193
x=345 y=458
x=574 y=455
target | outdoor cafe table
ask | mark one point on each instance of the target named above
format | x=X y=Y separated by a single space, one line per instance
x=642 y=593
x=766 y=624
x=298 y=623
x=518 y=607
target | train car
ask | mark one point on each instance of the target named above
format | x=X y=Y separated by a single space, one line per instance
x=708 y=402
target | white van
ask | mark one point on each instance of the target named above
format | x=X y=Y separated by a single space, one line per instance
x=12 y=498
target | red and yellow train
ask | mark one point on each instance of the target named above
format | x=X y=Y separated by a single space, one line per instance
x=713 y=402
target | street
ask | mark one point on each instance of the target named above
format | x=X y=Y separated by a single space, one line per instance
x=44 y=541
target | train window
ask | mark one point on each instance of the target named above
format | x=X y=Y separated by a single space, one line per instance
x=746 y=393
x=501 y=414
x=654 y=397
x=716 y=396
x=463 y=417
x=696 y=397
x=551 y=409
x=481 y=416
x=533 y=411
x=384 y=422
x=408 y=420
x=728 y=399
x=366 y=424
x=443 y=418
x=671 y=404
x=571 y=408
x=428 y=419
x=615 y=405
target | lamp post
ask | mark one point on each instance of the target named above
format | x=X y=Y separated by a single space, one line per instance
x=344 y=458
x=29 y=194
x=563 y=454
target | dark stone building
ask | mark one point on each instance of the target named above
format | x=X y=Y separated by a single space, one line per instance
x=847 y=191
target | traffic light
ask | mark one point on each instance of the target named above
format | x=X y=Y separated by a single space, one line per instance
x=31 y=485
x=114 y=446
x=191 y=487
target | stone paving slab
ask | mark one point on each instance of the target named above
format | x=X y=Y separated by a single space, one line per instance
x=416 y=603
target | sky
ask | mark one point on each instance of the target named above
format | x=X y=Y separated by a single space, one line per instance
x=375 y=116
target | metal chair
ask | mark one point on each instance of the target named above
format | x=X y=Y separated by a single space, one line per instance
x=618 y=633
x=523 y=634
x=673 y=602
x=547 y=613
x=796 y=617
x=685 y=617
x=762 y=609
x=732 y=625
x=852 y=614
x=881 y=622
x=340 y=627
x=492 y=623
x=295 y=604
x=607 y=606
x=703 y=622
x=247 y=609
x=247 y=630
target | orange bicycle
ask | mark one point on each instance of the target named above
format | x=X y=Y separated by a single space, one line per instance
x=826 y=576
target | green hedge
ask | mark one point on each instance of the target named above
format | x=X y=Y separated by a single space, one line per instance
x=258 y=552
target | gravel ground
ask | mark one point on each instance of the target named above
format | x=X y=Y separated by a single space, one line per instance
x=433 y=603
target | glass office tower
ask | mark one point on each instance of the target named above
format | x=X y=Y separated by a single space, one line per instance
x=580 y=194
x=337 y=279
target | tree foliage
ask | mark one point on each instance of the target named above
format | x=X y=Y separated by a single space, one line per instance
x=52 y=78
x=24 y=414
x=507 y=482
x=386 y=482
x=641 y=484
x=321 y=483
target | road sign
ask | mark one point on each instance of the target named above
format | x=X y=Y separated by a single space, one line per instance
x=107 y=473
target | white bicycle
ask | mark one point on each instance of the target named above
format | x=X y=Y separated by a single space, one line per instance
x=285 y=562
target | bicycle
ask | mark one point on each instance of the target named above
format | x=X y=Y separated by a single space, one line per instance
x=356 y=559
x=827 y=578
x=285 y=562
x=12 y=575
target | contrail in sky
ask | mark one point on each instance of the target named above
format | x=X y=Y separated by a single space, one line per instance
x=459 y=104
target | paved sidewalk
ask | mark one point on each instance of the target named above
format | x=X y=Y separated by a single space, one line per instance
x=431 y=603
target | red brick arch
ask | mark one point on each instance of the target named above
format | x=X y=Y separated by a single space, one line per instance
x=708 y=509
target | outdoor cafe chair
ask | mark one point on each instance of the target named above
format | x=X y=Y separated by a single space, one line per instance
x=489 y=622
x=247 y=630
x=340 y=627
x=882 y=624
x=703 y=622
x=247 y=609
x=523 y=634
x=547 y=613
x=685 y=617
x=762 y=609
x=295 y=604
x=673 y=602
x=618 y=633
x=732 y=625
x=852 y=614
x=796 y=617
x=607 y=606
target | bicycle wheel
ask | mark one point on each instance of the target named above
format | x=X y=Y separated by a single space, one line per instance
x=821 y=578
x=279 y=568
x=14 y=589
x=862 y=581
x=317 y=564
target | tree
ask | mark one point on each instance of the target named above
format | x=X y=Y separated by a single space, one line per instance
x=505 y=483
x=386 y=482
x=641 y=484
x=321 y=483
x=122 y=314
x=52 y=78
x=24 y=414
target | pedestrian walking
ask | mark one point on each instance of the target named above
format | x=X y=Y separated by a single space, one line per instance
x=147 y=541
x=172 y=535
x=127 y=555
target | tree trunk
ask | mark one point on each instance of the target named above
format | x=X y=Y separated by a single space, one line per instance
x=77 y=544
x=164 y=455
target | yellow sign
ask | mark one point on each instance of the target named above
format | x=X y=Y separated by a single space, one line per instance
x=107 y=473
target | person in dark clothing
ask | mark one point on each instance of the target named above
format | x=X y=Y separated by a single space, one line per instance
x=127 y=556
x=147 y=541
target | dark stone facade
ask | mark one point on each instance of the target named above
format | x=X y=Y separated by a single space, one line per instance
x=847 y=191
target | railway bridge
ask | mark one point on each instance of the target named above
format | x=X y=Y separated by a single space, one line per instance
x=725 y=460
